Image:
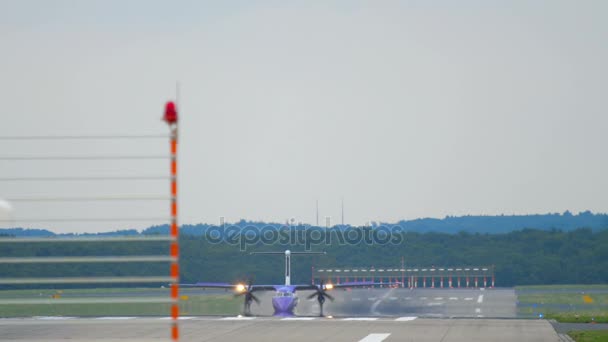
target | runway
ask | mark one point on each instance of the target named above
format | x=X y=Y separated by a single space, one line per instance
x=357 y=315
x=274 y=329
x=435 y=303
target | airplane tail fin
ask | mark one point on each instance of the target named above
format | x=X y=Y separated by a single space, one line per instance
x=288 y=255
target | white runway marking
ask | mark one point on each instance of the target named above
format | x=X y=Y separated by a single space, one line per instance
x=478 y=310
x=422 y=298
x=480 y=299
x=469 y=298
x=438 y=298
x=297 y=319
x=434 y=304
x=116 y=318
x=376 y=303
x=357 y=299
x=393 y=298
x=371 y=298
x=405 y=319
x=407 y=298
x=237 y=318
x=180 y=318
x=453 y=298
x=52 y=317
x=374 y=338
x=479 y=316
x=360 y=319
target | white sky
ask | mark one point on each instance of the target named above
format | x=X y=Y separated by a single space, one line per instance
x=406 y=109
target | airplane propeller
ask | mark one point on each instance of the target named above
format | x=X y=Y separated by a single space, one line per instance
x=247 y=291
x=321 y=294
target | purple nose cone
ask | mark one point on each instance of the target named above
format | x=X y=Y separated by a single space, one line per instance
x=283 y=306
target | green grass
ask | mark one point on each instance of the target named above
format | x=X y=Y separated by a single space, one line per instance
x=579 y=317
x=589 y=335
x=574 y=305
x=563 y=298
x=563 y=287
x=50 y=292
x=198 y=304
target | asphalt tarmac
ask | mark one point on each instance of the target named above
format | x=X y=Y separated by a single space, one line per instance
x=274 y=329
x=354 y=315
x=435 y=303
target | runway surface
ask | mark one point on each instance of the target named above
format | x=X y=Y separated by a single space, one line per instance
x=357 y=315
x=274 y=329
x=436 y=303
x=429 y=302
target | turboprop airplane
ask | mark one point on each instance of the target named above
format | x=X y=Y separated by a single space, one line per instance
x=285 y=299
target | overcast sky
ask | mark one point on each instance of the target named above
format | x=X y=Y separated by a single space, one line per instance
x=406 y=109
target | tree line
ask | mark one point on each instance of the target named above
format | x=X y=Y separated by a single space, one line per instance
x=522 y=257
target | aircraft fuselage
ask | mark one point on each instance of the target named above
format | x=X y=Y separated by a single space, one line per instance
x=284 y=301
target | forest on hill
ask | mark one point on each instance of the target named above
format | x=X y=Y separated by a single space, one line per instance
x=522 y=257
x=492 y=224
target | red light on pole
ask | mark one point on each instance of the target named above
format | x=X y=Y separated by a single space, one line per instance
x=171 y=118
x=170 y=113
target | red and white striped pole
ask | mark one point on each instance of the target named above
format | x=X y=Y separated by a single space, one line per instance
x=312 y=274
x=171 y=119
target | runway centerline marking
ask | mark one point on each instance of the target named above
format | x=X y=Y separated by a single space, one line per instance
x=297 y=319
x=480 y=299
x=477 y=310
x=374 y=338
x=469 y=298
x=453 y=298
x=237 y=318
x=438 y=298
x=360 y=319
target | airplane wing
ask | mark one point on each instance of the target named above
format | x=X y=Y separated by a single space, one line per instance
x=361 y=284
x=330 y=286
x=236 y=287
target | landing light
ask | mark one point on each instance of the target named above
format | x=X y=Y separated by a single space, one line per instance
x=240 y=287
x=329 y=286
